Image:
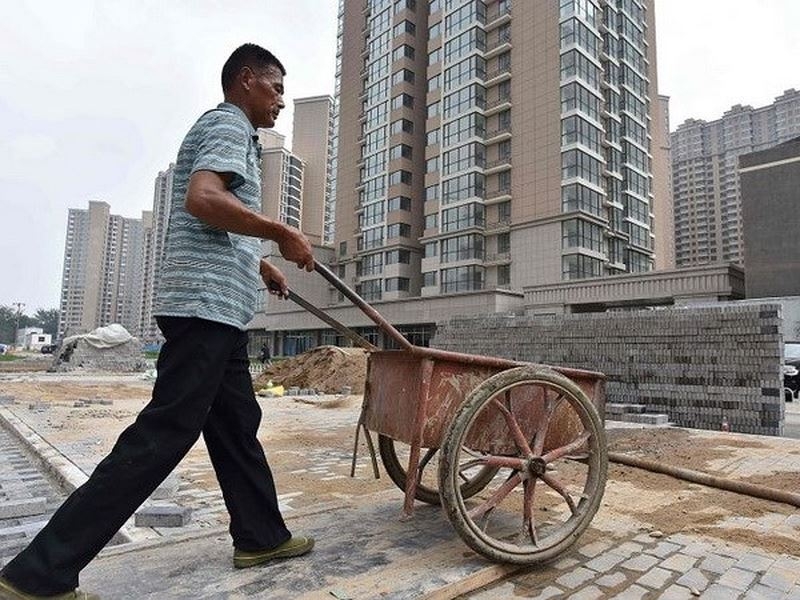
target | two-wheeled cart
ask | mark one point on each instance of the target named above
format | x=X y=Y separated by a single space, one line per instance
x=515 y=452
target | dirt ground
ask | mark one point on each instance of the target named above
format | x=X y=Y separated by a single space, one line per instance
x=315 y=463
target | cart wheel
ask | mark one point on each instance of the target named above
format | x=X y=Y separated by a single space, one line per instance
x=549 y=442
x=472 y=481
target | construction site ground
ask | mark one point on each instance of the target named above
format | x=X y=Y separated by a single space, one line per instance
x=654 y=536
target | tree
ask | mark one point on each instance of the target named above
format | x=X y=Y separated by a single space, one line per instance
x=8 y=324
x=47 y=319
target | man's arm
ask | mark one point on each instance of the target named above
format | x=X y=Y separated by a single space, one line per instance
x=208 y=199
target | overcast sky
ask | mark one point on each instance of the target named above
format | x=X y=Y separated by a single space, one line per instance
x=95 y=96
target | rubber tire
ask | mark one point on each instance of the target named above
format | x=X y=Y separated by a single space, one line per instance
x=452 y=442
x=397 y=473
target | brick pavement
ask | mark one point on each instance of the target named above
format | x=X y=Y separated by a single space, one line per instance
x=617 y=559
x=27 y=493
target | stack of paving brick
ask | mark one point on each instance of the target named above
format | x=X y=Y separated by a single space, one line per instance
x=699 y=366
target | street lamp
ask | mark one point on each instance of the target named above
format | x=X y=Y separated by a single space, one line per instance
x=20 y=306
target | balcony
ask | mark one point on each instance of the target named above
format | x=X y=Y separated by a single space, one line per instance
x=497 y=75
x=495 y=166
x=497 y=226
x=500 y=133
x=499 y=43
x=498 y=194
x=497 y=258
x=497 y=105
x=499 y=16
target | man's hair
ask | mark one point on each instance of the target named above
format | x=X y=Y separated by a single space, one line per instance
x=248 y=55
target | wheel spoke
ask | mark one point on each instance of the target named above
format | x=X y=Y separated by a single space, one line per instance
x=511 y=421
x=576 y=444
x=497 y=497
x=562 y=491
x=544 y=425
x=528 y=519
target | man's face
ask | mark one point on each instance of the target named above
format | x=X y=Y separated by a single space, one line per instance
x=266 y=96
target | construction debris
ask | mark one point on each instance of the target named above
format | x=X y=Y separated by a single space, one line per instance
x=109 y=348
x=326 y=369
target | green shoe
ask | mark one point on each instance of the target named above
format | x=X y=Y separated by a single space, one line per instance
x=296 y=546
x=9 y=592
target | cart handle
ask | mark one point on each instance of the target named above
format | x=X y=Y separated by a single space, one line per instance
x=341 y=328
x=359 y=302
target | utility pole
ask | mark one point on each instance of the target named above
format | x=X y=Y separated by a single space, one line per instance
x=20 y=306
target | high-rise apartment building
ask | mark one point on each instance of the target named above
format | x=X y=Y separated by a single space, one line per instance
x=102 y=274
x=706 y=187
x=155 y=228
x=312 y=141
x=281 y=180
x=487 y=146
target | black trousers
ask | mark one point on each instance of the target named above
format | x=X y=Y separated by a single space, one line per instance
x=203 y=385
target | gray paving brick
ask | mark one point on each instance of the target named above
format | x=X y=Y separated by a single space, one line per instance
x=641 y=563
x=715 y=563
x=576 y=578
x=693 y=579
x=11 y=509
x=755 y=562
x=590 y=592
x=676 y=592
x=737 y=578
x=762 y=592
x=655 y=578
x=604 y=562
x=779 y=579
x=663 y=549
x=612 y=580
x=549 y=592
x=679 y=563
x=629 y=549
x=162 y=516
x=721 y=592
x=635 y=592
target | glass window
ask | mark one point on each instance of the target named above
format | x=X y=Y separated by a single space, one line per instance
x=403 y=75
x=396 y=284
x=396 y=230
x=398 y=177
x=577 y=233
x=402 y=100
x=462 y=187
x=400 y=151
x=401 y=256
x=403 y=51
x=401 y=125
x=463 y=217
x=398 y=203
x=429 y=278
x=579 y=266
x=462 y=279
x=431 y=221
x=405 y=26
x=462 y=247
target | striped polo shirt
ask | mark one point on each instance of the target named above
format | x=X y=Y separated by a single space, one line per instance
x=207 y=272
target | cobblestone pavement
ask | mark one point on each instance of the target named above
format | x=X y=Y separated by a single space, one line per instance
x=730 y=547
x=28 y=496
x=676 y=567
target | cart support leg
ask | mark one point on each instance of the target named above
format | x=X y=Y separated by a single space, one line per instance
x=416 y=441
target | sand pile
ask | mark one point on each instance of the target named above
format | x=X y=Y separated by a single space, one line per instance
x=327 y=369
